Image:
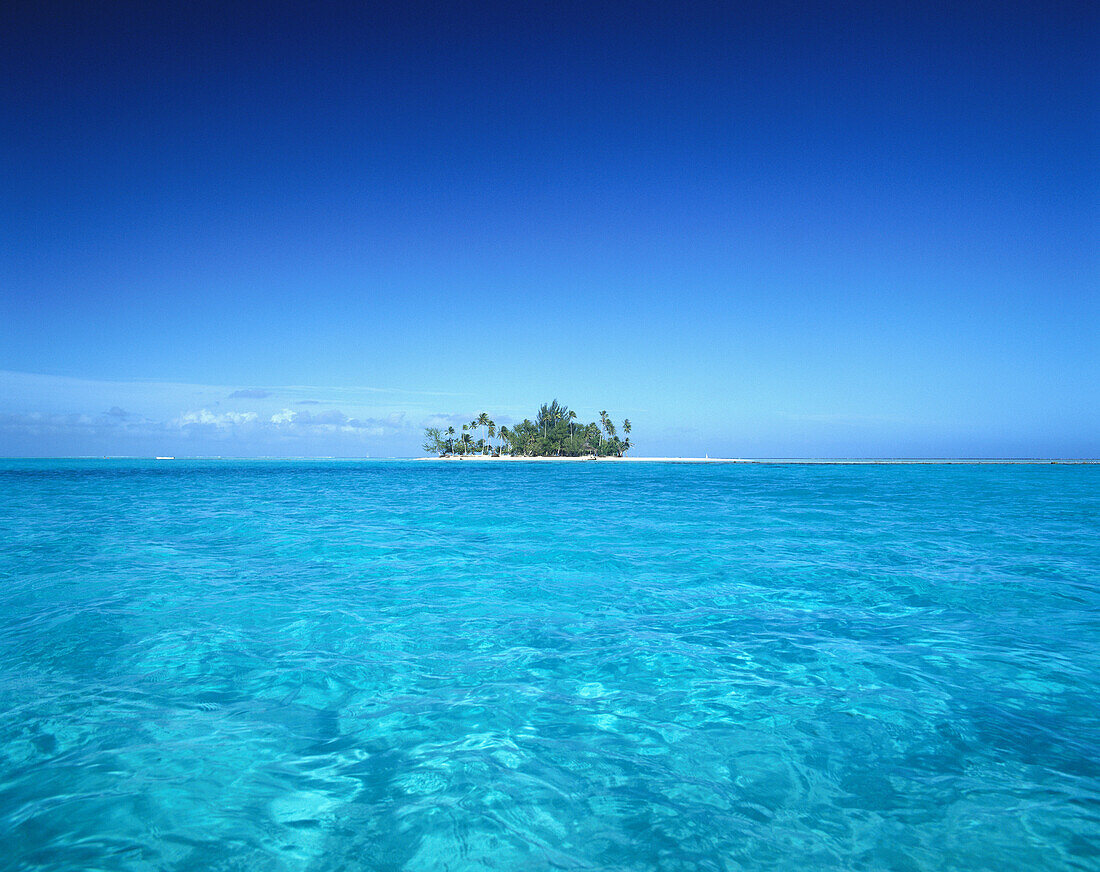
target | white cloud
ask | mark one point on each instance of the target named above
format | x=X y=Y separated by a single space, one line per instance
x=55 y=416
x=206 y=418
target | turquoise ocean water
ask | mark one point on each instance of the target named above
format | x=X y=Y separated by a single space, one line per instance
x=424 y=666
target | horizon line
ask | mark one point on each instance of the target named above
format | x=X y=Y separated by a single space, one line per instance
x=669 y=459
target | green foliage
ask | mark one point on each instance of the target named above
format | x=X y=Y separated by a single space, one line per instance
x=434 y=443
x=555 y=432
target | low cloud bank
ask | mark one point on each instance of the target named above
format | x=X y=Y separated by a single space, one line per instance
x=51 y=416
x=206 y=432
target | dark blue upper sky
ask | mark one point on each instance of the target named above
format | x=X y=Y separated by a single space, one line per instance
x=775 y=229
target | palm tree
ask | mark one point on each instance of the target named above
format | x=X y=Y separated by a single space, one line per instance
x=550 y=415
x=482 y=420
x=555 y=429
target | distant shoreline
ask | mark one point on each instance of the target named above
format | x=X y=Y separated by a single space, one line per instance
x=481 y=458
x=519 y=458
x=760 y=461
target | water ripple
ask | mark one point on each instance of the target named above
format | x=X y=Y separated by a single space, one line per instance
x=404 y=666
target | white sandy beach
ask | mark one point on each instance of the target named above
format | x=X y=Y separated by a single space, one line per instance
x=507 y=458
x=481 y=458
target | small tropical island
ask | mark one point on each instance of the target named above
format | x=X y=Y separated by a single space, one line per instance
x=555 y=432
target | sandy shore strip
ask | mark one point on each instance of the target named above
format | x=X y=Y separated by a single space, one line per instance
x=507 y=458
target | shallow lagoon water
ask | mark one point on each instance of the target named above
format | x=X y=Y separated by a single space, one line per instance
x=417 y=666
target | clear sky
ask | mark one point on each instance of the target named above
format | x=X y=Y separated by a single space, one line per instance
x=754 y=229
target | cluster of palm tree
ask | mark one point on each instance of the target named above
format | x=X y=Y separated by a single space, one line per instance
x=447 y=442
x=554 y=433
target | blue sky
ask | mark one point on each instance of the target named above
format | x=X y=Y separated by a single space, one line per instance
x=755 y=230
